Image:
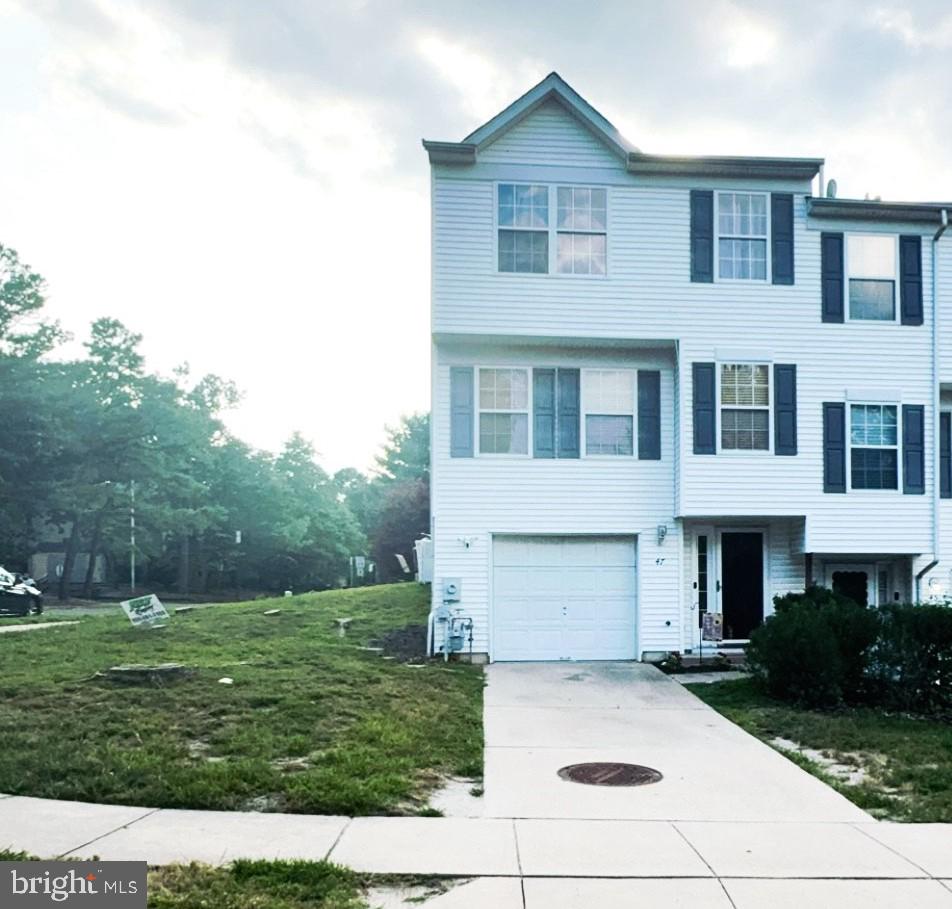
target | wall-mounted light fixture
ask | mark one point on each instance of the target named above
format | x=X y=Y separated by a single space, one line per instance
x=467 y=541
x=662 y=533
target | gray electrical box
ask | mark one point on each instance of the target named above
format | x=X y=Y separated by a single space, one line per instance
x=451 y=590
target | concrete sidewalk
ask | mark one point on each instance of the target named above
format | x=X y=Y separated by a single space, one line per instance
x=531 y=862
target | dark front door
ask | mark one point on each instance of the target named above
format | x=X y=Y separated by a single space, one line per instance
x=742 y=583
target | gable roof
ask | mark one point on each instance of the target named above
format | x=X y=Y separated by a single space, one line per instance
x=554 y=88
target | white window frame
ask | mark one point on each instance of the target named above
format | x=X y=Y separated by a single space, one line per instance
x=584 y=414
x=553 y=230
x=478 y=411
x=846 y=278
x=734 y=452
x=717 y=237
x=897 y=447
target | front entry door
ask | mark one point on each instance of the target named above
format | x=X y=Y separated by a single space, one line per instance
x=741 y=582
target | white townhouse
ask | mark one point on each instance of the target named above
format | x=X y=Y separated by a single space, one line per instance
x=665 y=386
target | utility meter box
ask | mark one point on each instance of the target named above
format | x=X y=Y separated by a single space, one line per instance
x=451 y=590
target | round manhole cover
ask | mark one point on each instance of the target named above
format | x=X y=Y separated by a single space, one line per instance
x=610 y=774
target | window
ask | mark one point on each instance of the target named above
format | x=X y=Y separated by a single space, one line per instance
x=874 y=446
x=526 y=234
x=582 y=227
x=523 y=217
x=742 y=236
x=871 y=271
x=608 y=397
x=702 y=578
x=745 y=407
x=503 y=411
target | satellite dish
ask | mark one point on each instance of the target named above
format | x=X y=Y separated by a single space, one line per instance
x=831 y=189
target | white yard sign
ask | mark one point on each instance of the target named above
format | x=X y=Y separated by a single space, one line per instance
x=143 y=610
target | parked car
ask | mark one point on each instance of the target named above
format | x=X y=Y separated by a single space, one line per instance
x=19 y=595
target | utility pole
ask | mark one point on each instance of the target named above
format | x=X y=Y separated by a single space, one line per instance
x=132 y=536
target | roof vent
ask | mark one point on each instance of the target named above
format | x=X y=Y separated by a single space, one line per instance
x=831 y=189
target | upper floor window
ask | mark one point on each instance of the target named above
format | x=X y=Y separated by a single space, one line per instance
x=742 y=236
x=523 y=228
x=745 y=407
x=871 y=273
x=504 y=411
x=874 y=446
x=530 y=241
x=582 y=230
x=608 y=399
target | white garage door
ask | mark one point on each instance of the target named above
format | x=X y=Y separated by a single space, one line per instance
x=563 y=598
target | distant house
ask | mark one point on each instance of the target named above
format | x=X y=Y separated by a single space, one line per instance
x=671 y=386
x=46 y=566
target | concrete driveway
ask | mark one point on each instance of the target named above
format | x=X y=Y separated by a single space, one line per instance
x=542 y=716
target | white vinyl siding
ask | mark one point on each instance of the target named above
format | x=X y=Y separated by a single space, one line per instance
x=476 y=498
x=645 y=296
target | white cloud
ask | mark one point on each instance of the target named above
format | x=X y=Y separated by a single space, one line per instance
x=485 y=86
x=745 y=40
x=239 y=228
x=900 y=22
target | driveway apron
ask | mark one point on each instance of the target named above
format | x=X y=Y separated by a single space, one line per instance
x=540 y=717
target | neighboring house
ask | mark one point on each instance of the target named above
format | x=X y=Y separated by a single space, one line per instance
x=664 y=386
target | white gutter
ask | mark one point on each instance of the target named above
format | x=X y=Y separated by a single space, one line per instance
x=935 y=405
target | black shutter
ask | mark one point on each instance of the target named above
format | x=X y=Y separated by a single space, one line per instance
x=945 y=455
x=910 y=280
x=831 y=275
x=568 y=406
x=785 y=409
x=913 y=449
x=781 y=237
x=834 y=448
x=702 y=235
x=461 y=412
x=705 y=409
x=649 y=415
x=543 y=413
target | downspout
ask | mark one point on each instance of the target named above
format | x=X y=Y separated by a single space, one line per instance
x=935 y=404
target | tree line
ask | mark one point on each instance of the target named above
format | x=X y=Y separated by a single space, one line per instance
x=83 y=436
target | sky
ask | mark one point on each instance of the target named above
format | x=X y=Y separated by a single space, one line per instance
x=242 y=181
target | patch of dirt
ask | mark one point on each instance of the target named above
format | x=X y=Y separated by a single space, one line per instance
x=458 y=797
x=851 y=768
x=407 y=644
x=406 y=894
x=265 y=804
x=291 y=765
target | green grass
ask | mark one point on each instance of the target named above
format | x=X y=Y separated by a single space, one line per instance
x=311 y=724
x=248 y=885
x=908 y=760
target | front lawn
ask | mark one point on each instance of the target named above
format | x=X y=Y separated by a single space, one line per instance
x=903 y=763
x=311 y=723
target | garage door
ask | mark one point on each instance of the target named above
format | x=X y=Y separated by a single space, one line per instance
x=563 y=598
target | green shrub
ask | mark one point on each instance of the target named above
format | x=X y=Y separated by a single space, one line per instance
x=912 y=660
x=821 y=649
x=815 y=649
